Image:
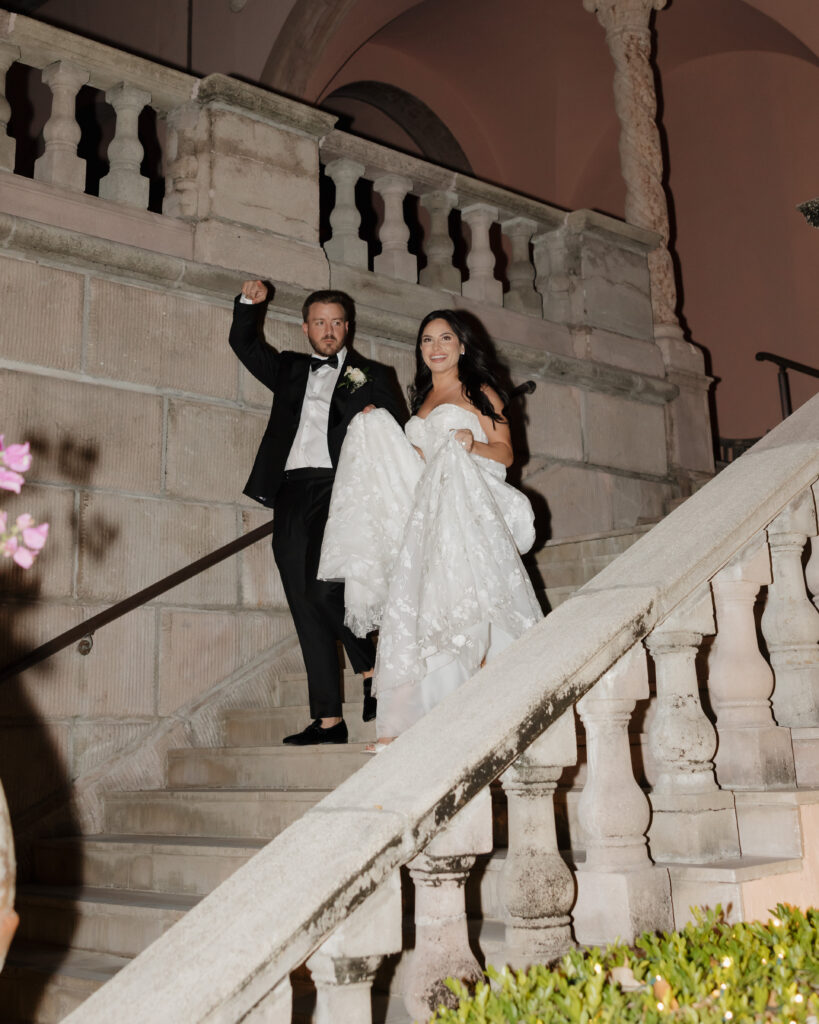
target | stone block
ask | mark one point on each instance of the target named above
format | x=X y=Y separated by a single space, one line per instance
x=69 y=684
x=619 y=905
x=611 y=289
x=210 y=450
x=570 y=501
x=97 y=741
x=756 y=757
x=601 y=346
x=624 y=434
x=52 y=574
x=128 y=543
x=806 y=757
x=42 y=314
x=80 y=432
x=769 y=824
x=693 y=828
x=636 y=501
x=159 y=339
x=199 y=649
x=553 y=421
x=692 y=436
x=265 y=256
x=259 y=578
x=263 y=175
x=34 y=761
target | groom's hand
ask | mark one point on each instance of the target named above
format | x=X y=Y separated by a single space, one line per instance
x=256 y=291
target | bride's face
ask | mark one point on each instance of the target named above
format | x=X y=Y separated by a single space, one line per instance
x=440 y=347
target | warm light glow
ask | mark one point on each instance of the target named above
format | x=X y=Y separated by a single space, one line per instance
x=727 y=961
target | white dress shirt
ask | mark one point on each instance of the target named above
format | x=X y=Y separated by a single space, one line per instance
x=309 y=448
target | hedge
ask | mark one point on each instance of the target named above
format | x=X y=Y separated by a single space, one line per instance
x=710 y=972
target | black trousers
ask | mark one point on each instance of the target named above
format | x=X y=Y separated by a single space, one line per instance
x=300 y=515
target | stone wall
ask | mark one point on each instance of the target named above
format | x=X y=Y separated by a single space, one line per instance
x=115 y=365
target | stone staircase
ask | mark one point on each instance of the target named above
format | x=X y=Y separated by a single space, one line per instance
x=100 y=900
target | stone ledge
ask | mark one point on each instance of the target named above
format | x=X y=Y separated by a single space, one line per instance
x=222 y=90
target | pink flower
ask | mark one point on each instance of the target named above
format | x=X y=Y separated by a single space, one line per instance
x=8 y=547
x=17 y=457
x=24 y=558
x=4 y=519
x=24 y=521
x=34 y=537
x=11 y=481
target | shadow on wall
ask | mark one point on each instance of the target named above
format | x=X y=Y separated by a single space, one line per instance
x=35 y=755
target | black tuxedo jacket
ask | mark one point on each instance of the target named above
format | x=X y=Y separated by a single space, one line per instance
x=285 y=373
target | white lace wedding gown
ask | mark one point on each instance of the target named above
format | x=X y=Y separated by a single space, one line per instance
x=428 y=551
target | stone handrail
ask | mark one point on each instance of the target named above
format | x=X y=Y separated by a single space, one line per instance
x=326 y=888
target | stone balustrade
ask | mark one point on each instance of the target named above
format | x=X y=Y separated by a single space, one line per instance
x=522 y=255
x=69 y=62
x=424 y=801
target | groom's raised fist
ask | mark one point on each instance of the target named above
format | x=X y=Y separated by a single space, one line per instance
x=255 y=291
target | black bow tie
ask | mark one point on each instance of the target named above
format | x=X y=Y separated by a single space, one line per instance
x=316 y=362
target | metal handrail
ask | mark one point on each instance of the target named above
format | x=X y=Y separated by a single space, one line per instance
x=784 y=365
x=84 y=632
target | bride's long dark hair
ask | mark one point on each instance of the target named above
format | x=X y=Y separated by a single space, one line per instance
x=474 y=369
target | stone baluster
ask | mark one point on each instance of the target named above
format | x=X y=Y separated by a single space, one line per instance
x=692 y=819
x=395 y=259
x=345 y=246
x=481 y=260
x=552 y=280
x=182 y=162
x=790 y=623
x=536 y=885
x=752 y=753
x=521 y=295
x=812 y=568
x=345 y=964
x=8 y=55
x=59 y=164
x=124 y=182
x=441 y=942
x=619 y=891
x=439 y=271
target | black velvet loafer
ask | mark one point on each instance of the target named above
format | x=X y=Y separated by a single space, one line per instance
x=315 y=734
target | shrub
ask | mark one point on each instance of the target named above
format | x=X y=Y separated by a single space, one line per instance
x=710 y=972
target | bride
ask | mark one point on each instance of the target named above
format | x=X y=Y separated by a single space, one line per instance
x=426 y=533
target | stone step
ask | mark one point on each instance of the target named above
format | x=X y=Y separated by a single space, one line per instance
x=265 y=728
x=42 y=984
x=115 y=921
x=234 y=813
x=178 y=864
x=292 y=768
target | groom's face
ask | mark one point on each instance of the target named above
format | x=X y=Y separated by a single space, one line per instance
x=326 y=327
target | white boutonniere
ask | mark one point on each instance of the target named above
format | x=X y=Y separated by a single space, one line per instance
x=354 y=378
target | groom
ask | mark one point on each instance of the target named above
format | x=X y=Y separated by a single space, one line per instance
x=315 y=397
